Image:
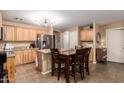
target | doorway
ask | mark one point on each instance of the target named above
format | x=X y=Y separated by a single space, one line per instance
x=115 y=45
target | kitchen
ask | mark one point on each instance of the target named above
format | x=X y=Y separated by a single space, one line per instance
x=30 y=44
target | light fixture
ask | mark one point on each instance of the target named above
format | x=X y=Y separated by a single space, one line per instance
x=18 y=19
x=45 y=22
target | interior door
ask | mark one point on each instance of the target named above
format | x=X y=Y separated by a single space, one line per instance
x=73 y=39
x=66 y=39
x=115 y=46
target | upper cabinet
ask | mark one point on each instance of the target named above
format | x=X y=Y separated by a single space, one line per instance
x=14 y=33
x=19 y=34
x=9 y=33
x=33 y=34
x=0 y=19
x=39 y=31
x=86 y=35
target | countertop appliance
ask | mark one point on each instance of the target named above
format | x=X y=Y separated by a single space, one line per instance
x=32 y=45
x=45 y=41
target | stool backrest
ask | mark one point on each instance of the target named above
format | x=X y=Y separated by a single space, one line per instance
x=3 y=57
x=55 y=54
x=85 y=53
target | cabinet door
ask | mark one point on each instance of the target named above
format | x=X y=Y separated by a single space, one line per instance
x=32 y=34
x=89 y=35
x=26 y=57
x=0 y=19
x=19 y=57
x=86 y=35
x=19 y=34
x=33 y=56
x=83 y=35
x=30 y=56
x=9 y=33
x=25 y=34
x=11 y=69
x=39 y=31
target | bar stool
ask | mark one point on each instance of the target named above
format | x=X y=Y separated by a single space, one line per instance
x=59 y=60
x=3 y=72
x=76 y=63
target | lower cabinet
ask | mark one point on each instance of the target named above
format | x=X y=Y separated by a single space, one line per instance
x=25 y=56
x=19 y=57
x=9 y=65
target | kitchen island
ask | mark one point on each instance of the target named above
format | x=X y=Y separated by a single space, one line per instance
x=43 y=62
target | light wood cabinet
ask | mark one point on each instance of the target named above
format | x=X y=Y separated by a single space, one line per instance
x=33 y=34
x=0 y=19
x=39 y=31
x=22 y=34
x=29 y=56
x=19 y=57
x=9 y=33
x=33 y=54
x=25 y=56
x=9 y=65
x=19 y=34
x=14 y=33
x=26 y=34
x=86 y=35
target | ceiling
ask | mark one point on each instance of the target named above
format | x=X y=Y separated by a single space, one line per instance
x=65 y=18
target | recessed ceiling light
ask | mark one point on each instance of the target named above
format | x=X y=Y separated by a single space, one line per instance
x=18 y=19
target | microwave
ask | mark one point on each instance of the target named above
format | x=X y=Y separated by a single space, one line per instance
x=1 y=33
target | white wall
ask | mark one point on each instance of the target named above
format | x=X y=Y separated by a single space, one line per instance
x=66 y=40
x=70 y=38
x=73 y=37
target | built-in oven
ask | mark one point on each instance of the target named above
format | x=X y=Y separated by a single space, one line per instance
x=1 y=33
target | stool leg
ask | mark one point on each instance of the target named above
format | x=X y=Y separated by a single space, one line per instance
x=81 y=71
x=59 y=70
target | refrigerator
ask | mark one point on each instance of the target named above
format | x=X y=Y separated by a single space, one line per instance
x=45 y=41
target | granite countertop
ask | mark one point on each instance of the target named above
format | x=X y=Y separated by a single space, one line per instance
x=9 y=53
x=45 y=51
x=22 y=49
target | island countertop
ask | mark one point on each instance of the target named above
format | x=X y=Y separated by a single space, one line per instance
x=45 y=51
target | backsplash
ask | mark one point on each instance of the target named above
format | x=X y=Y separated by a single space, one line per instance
x=87 y=44
x=15 y=45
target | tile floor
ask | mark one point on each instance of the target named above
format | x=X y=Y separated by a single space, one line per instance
x=99 y=73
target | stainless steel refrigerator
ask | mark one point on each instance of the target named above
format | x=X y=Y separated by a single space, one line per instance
x=45 y=41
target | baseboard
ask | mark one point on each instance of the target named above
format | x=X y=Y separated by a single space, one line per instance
x=46 y=72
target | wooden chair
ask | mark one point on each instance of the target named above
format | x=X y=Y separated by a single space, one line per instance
x=77 y=64
x=3 y=72
x=86 y=53
x=57 y=59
